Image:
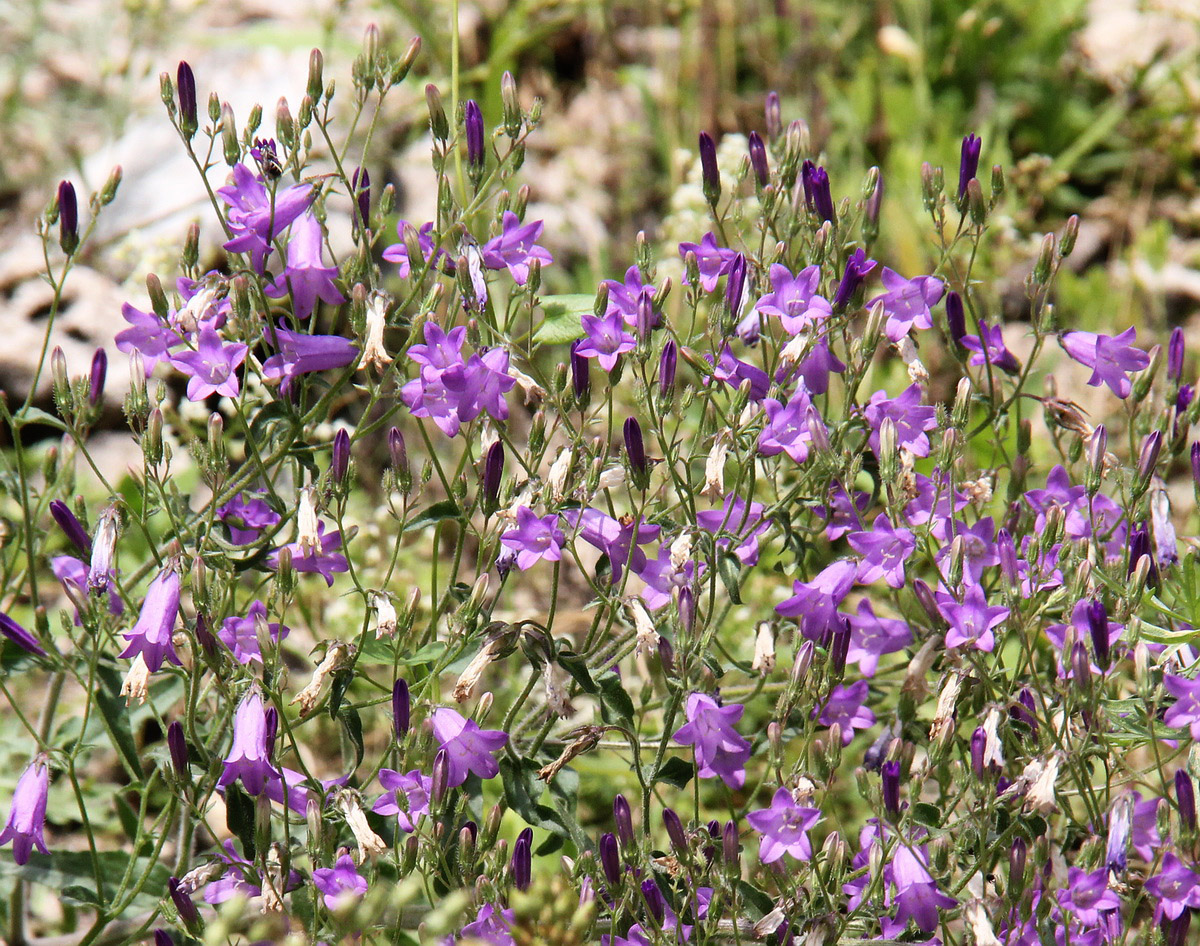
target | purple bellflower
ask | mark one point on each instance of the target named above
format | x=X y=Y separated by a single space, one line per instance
x=325 y=561
x=907 y=302
x=468 y=748
x=406 y=797
x=788 y=429
x=150 y=636
x=491 y=926
x=784 y=828
x=398 y=252
x=871 y=637
x=713 y=261
x=911 y=417
x=1111 y=357
x=885 y=549
x=212 y=366
x=613 y=537
x=1083 y=631
x=1175 y=889
x=240 y=634
x=662 y=577
x=845 y=707
x=816 y=602
x=1186 y=710
x=858 y=267
x=256 y=217
x=720 y=750
x=27 y=818
x=21 y=637
x=744 y=521
x=147 y=334
x=991 y=349
x=515 y=248
x=971 y=620
x=605 y=339
x=535 y=538
x=73 y=574
x=624 y=297
x=340 y=885
x=793 y=299
x=246 y=518
x=300 y=353
x=979 y=550
x=305 y=277
x=249 y=757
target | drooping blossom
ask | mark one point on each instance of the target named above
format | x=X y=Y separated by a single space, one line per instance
x=249 y=757
x=535 y=538
x=305 y=276
x=246 y=516
x=298 y=353
x=816 y=602
x=738 y=524
x=211 y=366
x=324 y=560
x=1111 y=357
x=907 y=302
x=720 y=750
x=844 y=706
x=27 y=818
x=468 y=748
x=793 y=299
x=735 y=372
x=406 y=796
x=257 y=217
x=340 y=885
x=240 y=634
x=991 y=349
x=150 y=636
x=616 y=538
x=515 y=248
x=885 y=549
x=149 y=335
x=605 y=339
x=871 y=637
x=784 y=828
x=911 y=417
x=713 y=261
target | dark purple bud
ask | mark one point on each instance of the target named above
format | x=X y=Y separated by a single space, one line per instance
x=360 y=189
x=877 y=750
x=610 y=860
x=821 y=195
x=806 y=182
x=1024 y=709
x=774 y=116
x=340 y=464
x=1007 y=550
x=68 y=218
x=731 y=847
x=19 y=636
x=208 y=643
x=1196 y=463
x=185 y=84
x=758 y=159
x=493 y=472
x=1081 y=664
x=1148 y=455
x=928 y=603
x=183 y=903
x=968 y=162
x=1175 y=354
x=624 y=821
x=666 y=656
x=1177 y=929
x=646 y=319
x=666 y=368
x=1016 y=864
x=177 y=744
x=474 y=122
x=635 y=449
x=655 y=901
x=1183 y=400
x=401 y=708
x=675 y=829
x=522 y=859
x=710 y=176
x=1097 y=617
x=890 y=773
x=1139 y=545
x=978 y=740
x=874 y=202
x=735 y=284
x=956 y=318
x=857 y=268
x=472 y=829
x=71 y=526
x=99 y=373
x=163 y=938
x=270 y=729
x=839 y=647
x=581 y=380
x=1185 y=798
x=440 y=775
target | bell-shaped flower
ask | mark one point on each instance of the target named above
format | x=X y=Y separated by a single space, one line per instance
x=27 y=817
x=150 y=636
x=305 y=277
x=249 y=758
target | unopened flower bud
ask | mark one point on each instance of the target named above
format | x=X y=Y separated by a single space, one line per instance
x=230 y=147
x=473 y=121
x=580 y=375
x=71 y=526
x=773 y=114
x=401 y=708
x=955 y=317
x=635 y=452
x=522 y=860
x=339 y=465
x=675 y=830
x=438 y=124
x=890 y=772
x=624 y=821
x=976 y=205
x=402 y=68
x=493 y=474
x=512 y=105
x=709 y=173
x=968 y=163
x=68 y=218
x=1185 y=798
x=1148 y=458
x=177 y=744
x=758 y=160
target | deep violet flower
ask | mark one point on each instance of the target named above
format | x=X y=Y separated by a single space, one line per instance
x=240 y=634
x=1084 y=631
x=21 y=637
x=871 y=637
x=793 y=299
x=991 y=348
x=150 y=636
x=340 y=885
x=27 y=817
x=246 y=518
x=857 y=269
x=515 y=248
x=625 y=297
x=784 y=828
x=1175 y=888
x=468 y=748
x=325 y=561
x=256 y=217
x=249 y=757
x=713 y=261
x=735 y=372
x=972 y=619
x=299 y=353
x=535 y=538
x=212 y=366
x=720 y=750
x=968 y=162
x=885 y=549
x=398 y=252
x=907 y=302
x=816 y=602
x=1111 y=357
x=1087 y=896
x=406 y=797
x=605 y=339
x=305 y=277
x=739 y=519
x=614 y=537
x=789 y=428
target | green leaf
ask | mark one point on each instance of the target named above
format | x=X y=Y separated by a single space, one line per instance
x=675 y=771
x=384 y=652
x=71 y=874
x=562 y=321
x=35 y=415
x=577 y=668
x=239 y=817
x=337 y=690
x=446 y=509
x=927 y=814
x=758 y=903
x=522 y=790
x=614 y=701
x=352 y=727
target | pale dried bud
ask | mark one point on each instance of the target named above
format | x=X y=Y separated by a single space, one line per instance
x=917 y=373
x=385 y=614
x=943 y=715
x=337 y=655
x=681 y=551
x=918 y=668
x=714 y=467
x=1041 y=793
x=370 y=845
x=587 y=739
x=612 y=477
x=764 y=649
x=993 y=747
x=554 y=679
x=979 y=924
x=978 y=491
x=374 y=352
x=137 y=682
x=647 y=636
x=308 y=537
x=468 y=680
x=532 y=391
x=557 y=477
x=769 y=924
x=795 y=349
